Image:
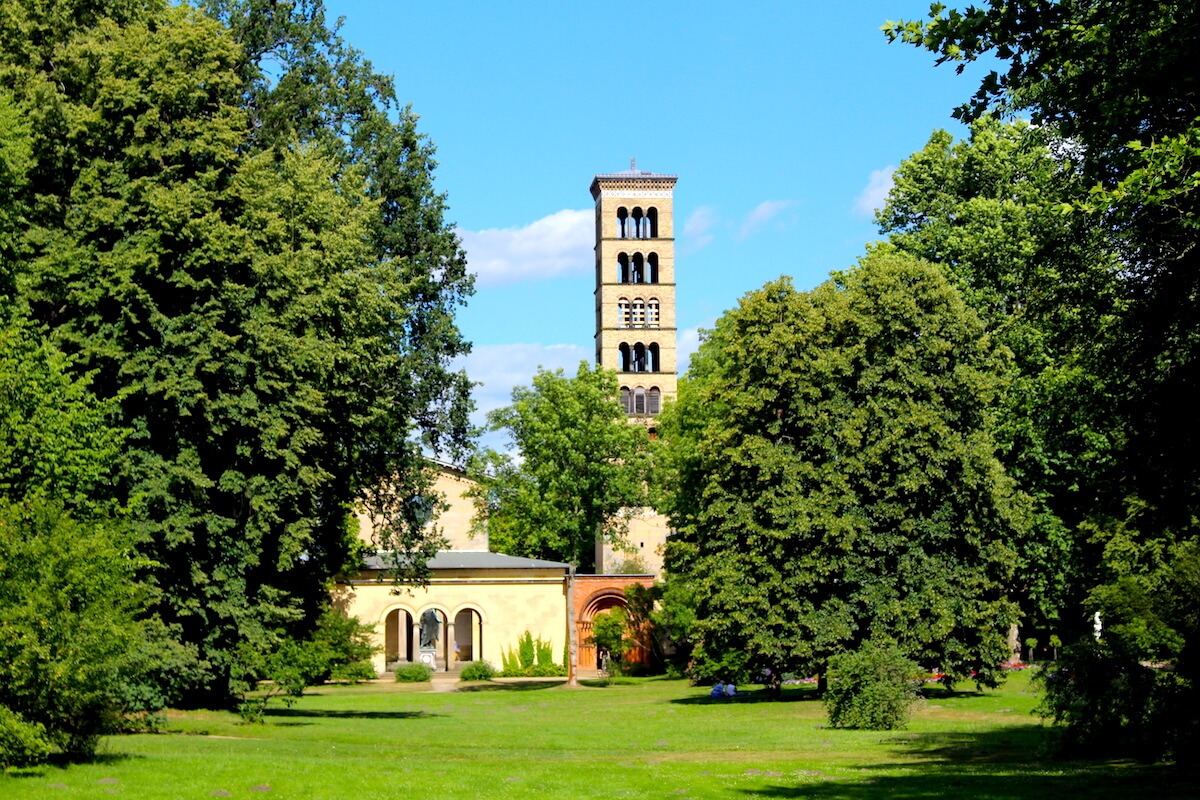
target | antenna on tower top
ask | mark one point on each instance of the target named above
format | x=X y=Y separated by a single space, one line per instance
x=632 y=164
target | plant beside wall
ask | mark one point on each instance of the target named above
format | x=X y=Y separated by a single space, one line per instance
x=531 y=658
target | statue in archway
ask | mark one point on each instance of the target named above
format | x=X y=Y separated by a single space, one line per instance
x=429 y=628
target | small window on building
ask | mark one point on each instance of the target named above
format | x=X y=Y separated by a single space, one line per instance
x=651 y=271
x=626 y=400
x=639 y=400
x=653 y=401
x=652 y=313
x=623 y=313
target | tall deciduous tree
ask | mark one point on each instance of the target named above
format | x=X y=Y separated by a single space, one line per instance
x=1118 y=80
x=577 y=465
x=835 y=477
x=262 y=279
x=1047 y=286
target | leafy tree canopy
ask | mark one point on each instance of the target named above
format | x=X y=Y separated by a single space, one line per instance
x=577 y=467
x=835 y=478
x=1047 y=285
x=228 y=222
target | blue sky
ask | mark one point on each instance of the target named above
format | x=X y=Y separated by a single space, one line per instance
x=783 y=121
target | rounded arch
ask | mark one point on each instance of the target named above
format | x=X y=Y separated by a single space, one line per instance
x=653 y=313
x=622 y=222
x=623 y=315
x=626 y=400
x=653 y=400
x=626 y=357
x=602 y=600
x=639 y=223
x=652 y=222
x=470 y=606
x=651 y=271
x=623 y=272
x=637 y=269
x=653 y=364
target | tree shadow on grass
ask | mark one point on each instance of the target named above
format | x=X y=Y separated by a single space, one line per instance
x=531 y=686
x=58 y=761
x=1008 y=764
x=758 y=696
x=331 y=714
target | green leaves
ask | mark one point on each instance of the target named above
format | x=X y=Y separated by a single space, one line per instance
x=258 y=279
x=580 y=466
x=836 y=477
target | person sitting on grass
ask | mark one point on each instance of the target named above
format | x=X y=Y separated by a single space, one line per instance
x=730 y=689
x=718 y=690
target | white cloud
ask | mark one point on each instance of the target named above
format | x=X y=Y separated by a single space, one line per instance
x=559 y=244
x=697 y=231
x=763 y=213
x=875 y=194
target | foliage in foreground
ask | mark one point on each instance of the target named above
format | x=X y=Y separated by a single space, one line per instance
x=229 y=223
x=76 y=662
x=835 y=477
x=873 y=688
x=1113 y=706
x=1117 y=82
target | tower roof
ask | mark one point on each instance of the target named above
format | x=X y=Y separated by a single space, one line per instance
x=631 y=177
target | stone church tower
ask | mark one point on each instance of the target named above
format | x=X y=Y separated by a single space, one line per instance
x=635 y=324
x=635 y=287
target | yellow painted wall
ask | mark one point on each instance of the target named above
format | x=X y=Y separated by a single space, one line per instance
x=509 y=602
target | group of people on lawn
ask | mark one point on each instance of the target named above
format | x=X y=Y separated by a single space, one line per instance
x=723 y=689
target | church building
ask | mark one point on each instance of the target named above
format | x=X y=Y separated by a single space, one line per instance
x=478 y=603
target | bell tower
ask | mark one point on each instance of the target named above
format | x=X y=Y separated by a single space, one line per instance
x=635 y=287
x=635 y=328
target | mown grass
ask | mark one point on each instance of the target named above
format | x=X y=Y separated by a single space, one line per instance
x=630 y=739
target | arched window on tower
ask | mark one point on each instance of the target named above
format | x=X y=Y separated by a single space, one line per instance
x=623 y=312
x=653 y=401
x=626 y=358
x=638 y=318
x=623 y=271
x=652 y=223
x=652 y=268
x=626 y=400
x=639 y=224
x=622 y=223
x=652 y=359
x=639 y=400
x=652 y=313
x=637 y=272
x=639 y=357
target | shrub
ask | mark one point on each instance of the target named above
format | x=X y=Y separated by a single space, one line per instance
x=1111 y=705
x=414 y=673
x=526 y=650
x=531 y=658
x=21 y=743
x=873 y=688
x=74 y=655
x=478 y=671
x=345 y=645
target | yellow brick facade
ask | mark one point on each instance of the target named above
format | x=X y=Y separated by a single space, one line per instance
x=636 y=329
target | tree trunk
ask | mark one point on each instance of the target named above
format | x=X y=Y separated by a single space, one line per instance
x=572 y=631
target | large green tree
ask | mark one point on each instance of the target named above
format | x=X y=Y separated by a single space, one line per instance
x=261 y=277
x=576 y=468
x=1118 y=81
x=835 y=479
x=1047 y=286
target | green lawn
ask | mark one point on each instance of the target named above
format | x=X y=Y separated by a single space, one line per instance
x=644 y=738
